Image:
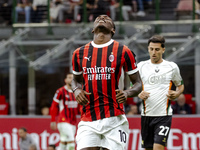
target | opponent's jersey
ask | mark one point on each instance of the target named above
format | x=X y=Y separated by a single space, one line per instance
x=64 y=105
x=101 y=67
x=157 y=80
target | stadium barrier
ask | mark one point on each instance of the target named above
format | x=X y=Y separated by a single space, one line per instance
x=184 y=135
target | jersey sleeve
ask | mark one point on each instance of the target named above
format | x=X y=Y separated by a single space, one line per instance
x=177 y=79
x=130 y=66
x=77 y=70
x=54 y=109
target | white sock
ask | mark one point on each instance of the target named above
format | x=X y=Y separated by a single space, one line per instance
x=71 y=146
x=62 y=146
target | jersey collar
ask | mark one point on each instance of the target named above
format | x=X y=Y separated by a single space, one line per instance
x=69 y=90
x=157 y=64
x=102 y=45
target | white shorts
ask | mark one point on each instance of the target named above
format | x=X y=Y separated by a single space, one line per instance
x=67 y=131
x=111 y=133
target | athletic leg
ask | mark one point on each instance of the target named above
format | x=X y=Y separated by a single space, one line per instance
x=67 y=133
x=158 y=147
x=71 y=145
x=161 y=132
x=62 y=145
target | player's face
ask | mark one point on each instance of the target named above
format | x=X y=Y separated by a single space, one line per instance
x=155 y=52
x=68 y=79
x=104 y=21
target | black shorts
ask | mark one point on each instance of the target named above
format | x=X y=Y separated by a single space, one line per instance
x=155 y=130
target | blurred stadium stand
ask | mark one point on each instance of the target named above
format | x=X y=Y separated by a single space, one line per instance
x=184 y=9
x=35 y=57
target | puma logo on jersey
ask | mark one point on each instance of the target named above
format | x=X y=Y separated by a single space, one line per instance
x=88 y=58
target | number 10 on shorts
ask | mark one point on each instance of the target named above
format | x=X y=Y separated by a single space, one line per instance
x=122 y=136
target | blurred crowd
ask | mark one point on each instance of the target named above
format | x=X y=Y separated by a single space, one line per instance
x=67 y=11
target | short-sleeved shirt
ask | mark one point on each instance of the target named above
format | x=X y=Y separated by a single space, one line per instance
x=101 y=67
x=64 y=101
x=25 y=143
x=157 y=80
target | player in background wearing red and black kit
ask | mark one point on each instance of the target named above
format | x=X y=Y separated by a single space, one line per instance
x=66 y=106
x=97 y=67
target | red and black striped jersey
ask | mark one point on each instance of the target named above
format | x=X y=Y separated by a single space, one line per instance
x=64 y=105
x=101 y=67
